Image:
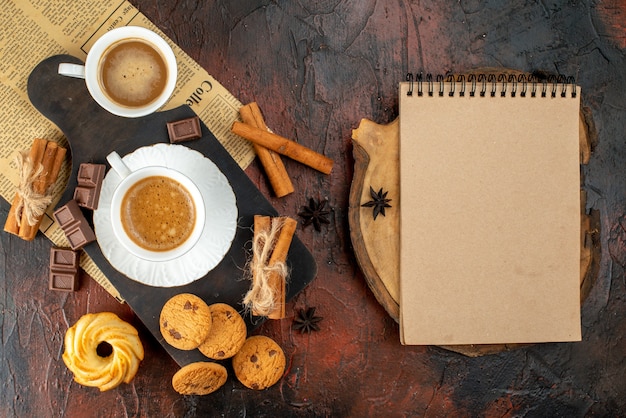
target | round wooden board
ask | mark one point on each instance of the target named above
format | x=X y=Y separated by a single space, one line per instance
x=376 y=242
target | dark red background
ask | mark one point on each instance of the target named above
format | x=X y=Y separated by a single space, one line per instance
x=316 y=70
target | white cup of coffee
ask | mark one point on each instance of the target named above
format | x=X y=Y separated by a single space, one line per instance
x=129 y=71
x=157 y=213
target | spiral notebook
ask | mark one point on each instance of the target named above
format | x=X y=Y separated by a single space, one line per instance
x=490 y=210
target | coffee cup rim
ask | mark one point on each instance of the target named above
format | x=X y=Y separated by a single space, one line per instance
x=110 y=38
x=118 y=230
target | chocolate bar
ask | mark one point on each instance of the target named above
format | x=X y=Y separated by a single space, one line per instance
x=184 y=130
x=89 y=179
x=63 y=269
x=73 y=223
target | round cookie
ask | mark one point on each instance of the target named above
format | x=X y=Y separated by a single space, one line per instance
x=260 y=363
x=185 y=321
x=228 y=333
x=200 y=378
x=91 y=367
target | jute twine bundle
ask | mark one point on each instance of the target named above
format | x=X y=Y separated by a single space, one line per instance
x=31 y=204
x=261 y=297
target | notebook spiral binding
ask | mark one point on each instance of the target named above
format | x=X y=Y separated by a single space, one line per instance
x=486 y=85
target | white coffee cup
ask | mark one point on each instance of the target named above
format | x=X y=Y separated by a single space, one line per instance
x=131 y=178
x=124 y=90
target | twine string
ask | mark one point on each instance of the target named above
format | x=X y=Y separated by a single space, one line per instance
x=262 y=296
x=31 y=204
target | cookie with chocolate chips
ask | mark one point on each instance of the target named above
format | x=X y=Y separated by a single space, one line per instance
x=260 y=363
x=228 y=333
x=185 y=321
x=200 y=378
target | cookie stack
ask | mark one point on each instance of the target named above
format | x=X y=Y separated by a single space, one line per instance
x=219 y=332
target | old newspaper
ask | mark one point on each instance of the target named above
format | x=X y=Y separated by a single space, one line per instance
x=32 y=30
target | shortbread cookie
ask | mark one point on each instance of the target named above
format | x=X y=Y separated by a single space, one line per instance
x=228 y=333
x=200 y=378
x=260 y=363
x=185 y=321
x=102 y=370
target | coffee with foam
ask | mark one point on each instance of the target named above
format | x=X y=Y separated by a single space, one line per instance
x=133 y=73
x=130 y=71
x=158 y=213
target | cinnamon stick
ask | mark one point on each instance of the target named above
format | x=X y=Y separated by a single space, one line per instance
x=50 y=181
x=270 y=160
x=10 y=225
x=35 y=155
x=261 y=225
x=279 y=255
x=272 y=239
x=56 y=167
x=47 y=158
x=283 y=146
x=40 y=186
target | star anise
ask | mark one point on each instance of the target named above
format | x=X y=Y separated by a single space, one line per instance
x=314 y=214
x=306 y=321
x=379 y=202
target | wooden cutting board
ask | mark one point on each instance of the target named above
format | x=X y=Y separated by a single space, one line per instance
x=376 y=241
x=93 y=133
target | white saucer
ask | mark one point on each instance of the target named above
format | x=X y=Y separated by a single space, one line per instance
x=219 y=229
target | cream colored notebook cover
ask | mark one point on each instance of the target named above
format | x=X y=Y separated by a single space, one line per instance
x=490 y=214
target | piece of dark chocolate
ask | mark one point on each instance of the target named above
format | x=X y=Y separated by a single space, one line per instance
x=63 y=269
x=73 y=223
x=184 y=130
x=89 y=178
x=85 y=197
x=80 y=236
x=66 y=215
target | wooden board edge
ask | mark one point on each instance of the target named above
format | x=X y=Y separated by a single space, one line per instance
x=374 y=282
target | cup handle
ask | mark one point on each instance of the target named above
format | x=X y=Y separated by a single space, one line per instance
x=118 y=165
x=72 y=70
